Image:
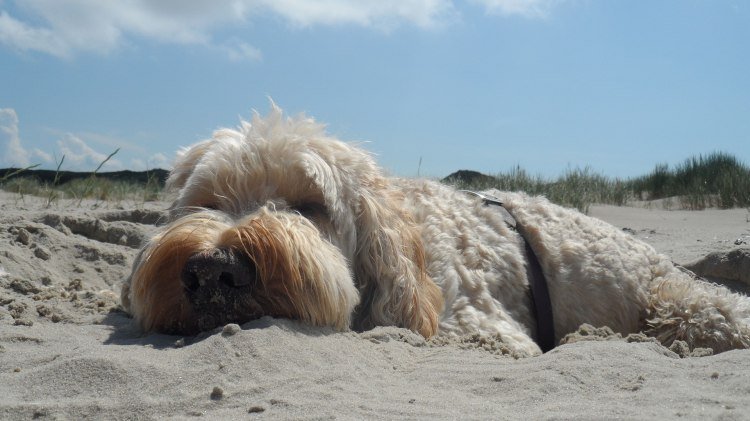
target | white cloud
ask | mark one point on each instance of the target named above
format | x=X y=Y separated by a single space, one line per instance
x=526 y=8
x=74 y=149
x=66 y=27
x=370 y=13
x=238 y=51
x=106 y=141
x=23 y=37
x=84 y=157
x=157 y=160
x=71 y=26
x=44 y=156
x=14 y=153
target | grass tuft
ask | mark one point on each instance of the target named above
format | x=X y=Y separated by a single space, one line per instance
x=89 y=184
x=715 y=180
x=12 y=174
x=92 y=187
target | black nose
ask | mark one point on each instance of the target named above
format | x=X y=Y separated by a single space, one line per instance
x=217 y=269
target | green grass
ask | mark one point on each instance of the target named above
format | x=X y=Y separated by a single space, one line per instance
x=715 y=180
x=99 y=189
x=92 y=187
x=16 y=172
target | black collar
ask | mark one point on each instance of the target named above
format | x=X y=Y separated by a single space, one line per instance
x=540 y=300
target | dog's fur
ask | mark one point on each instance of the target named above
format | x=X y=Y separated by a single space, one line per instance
x=312 y=230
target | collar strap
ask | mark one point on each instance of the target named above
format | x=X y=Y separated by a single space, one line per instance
x=540 y=300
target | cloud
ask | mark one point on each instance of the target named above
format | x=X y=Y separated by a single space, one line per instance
x=23 y=37
x=70 y=26
x=82 y=156
x=239 y=51
x=74 y=149
x=157 y=160
x=14 y=154
x=383 y=14
x=526 y=8
x=64 y=28
x=43 y=156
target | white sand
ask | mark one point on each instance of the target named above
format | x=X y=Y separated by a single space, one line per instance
x=67 y=353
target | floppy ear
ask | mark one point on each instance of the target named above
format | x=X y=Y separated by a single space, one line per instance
x=390 y=267
x=185 y=164
x=125 y=292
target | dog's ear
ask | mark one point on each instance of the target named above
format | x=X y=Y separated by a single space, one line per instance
x=186 y=161
x=125 y=292
x=390 y=267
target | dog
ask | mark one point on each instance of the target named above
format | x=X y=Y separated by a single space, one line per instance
x=278 y=218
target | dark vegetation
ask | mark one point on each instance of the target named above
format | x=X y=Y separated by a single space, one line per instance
x=117 y=185
x=158 y=176
x=715 y=180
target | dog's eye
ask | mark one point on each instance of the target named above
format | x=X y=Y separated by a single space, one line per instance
x=310 y=210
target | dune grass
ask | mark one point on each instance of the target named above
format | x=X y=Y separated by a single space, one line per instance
x=715 y=180
x=92 y=187
x=16 y=172
x=99 y=189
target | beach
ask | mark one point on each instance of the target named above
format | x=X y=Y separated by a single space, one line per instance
x=68 y=351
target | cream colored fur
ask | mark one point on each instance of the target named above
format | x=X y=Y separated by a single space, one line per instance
x=376 y=250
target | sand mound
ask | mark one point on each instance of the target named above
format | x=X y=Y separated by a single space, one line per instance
x=731 y=268
x=67 y=265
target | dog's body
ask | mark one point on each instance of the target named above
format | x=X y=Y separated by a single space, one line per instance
x=279 y=219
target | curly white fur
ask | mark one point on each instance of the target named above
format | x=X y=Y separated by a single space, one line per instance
x=336 y=243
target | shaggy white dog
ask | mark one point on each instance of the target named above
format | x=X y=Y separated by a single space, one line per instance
x=277 y=218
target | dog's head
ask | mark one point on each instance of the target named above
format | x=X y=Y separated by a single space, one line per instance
x=277 y=218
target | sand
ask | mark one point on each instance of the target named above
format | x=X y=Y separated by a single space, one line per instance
x=67 y=352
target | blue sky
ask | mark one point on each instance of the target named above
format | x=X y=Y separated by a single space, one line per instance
x=617 y=85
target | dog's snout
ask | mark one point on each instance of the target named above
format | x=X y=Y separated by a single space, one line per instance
x=217 y=268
